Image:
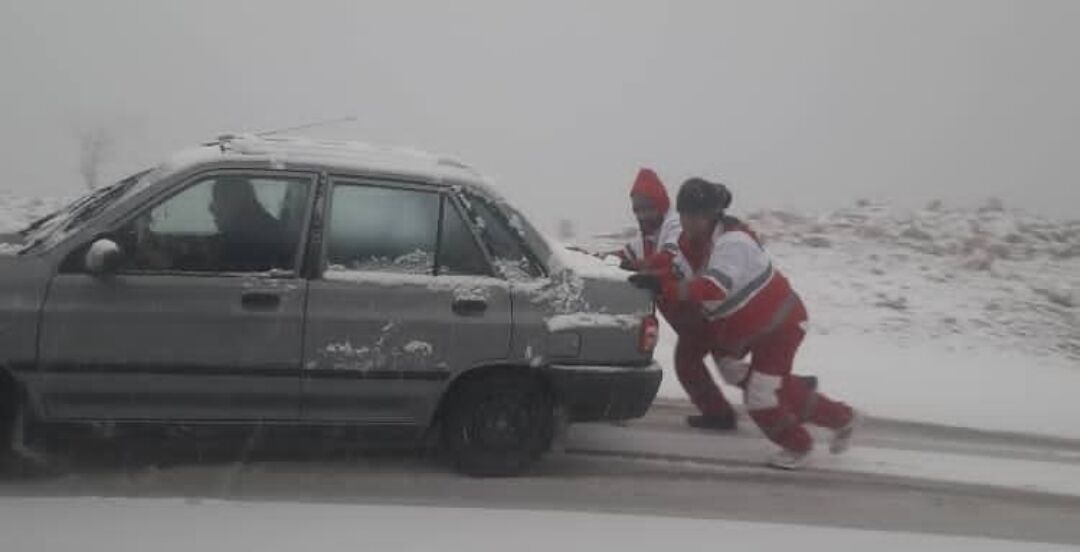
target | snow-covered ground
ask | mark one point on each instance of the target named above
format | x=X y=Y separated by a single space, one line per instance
x=1012 y=467
x=965 y=317
x=932 y=381
x=119 y=525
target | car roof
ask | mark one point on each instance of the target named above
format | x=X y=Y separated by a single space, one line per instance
x=331 y=155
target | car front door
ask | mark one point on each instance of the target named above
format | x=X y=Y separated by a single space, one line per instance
x=405 y=299
x=203 y=320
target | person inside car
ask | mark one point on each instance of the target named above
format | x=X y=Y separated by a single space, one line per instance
x=251 y=239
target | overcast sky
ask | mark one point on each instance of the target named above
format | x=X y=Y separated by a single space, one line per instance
x=807 y=104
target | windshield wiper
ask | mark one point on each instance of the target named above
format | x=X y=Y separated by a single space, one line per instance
x=79 y=211
x=96 y=202
x=33 y=226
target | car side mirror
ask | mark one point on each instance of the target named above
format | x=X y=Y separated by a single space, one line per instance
x=103 y=257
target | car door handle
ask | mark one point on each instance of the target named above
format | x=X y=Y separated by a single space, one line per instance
x=260 y=301
x=469 y=307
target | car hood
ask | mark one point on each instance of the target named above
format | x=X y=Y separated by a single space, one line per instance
x=586 y=284
x=587 y=312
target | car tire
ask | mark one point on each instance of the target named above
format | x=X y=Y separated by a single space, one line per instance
x=498 y=425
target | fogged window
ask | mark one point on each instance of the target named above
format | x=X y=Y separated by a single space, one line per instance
x=382 y=229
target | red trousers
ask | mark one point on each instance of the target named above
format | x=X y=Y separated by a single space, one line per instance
x=694 y=375
x=779 y=403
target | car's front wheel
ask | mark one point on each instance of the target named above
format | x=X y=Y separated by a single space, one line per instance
x=499 y=424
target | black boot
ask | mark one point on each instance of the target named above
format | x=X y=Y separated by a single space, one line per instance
x=716 y=422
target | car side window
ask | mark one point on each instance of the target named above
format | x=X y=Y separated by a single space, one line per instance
x=382 y=229
x=459 y=253
x=231 y=223
x=503 y=242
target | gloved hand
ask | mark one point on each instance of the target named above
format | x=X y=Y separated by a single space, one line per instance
x=645 y=280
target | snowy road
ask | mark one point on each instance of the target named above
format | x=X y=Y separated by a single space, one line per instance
x=902 y=478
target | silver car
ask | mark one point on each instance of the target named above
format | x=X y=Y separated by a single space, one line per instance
x=290 y=281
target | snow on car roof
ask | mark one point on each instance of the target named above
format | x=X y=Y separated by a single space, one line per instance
x=284 y=150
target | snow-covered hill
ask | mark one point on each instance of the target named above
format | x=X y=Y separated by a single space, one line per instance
x=1003 y=279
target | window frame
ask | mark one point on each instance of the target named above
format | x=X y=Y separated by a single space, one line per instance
x=503 y=221
x=455 y=203
x=445 y=197
x=310 y=179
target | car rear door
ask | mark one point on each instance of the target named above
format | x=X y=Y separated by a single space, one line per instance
x=405 y=299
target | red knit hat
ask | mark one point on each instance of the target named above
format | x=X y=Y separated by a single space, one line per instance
x=650 y=186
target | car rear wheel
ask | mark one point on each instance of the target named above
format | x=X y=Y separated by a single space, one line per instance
x=498 y=425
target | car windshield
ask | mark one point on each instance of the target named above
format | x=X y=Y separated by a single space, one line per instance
x=50 y=228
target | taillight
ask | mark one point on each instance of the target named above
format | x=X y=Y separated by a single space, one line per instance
x=650 y=334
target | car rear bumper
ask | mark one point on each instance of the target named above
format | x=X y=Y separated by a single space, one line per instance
x=595 y=393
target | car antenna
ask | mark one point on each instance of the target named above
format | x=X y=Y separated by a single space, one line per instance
x=223 y=140
x=313 y=124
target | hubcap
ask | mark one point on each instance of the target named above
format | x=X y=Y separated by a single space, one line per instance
x=501 y=424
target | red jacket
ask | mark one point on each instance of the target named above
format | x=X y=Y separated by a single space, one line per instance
x=637 y=251
x=731 y=281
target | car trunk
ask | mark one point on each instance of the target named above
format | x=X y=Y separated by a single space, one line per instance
x=585 y=313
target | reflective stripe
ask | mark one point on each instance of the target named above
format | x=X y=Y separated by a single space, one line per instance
x=708 y=305
x=732 y=371
x=781 y=314
x=723 y=280
x=761 y=391
x=739 y=299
